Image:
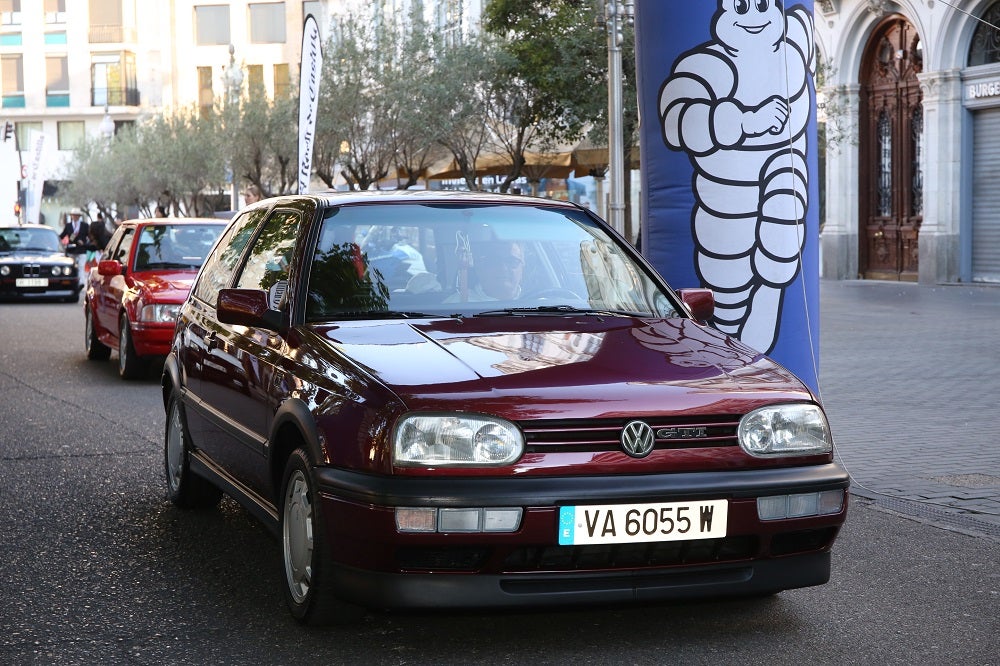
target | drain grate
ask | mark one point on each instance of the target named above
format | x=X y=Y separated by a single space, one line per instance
x=961 y=522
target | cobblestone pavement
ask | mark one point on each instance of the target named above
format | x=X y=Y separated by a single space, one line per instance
x=910 y=377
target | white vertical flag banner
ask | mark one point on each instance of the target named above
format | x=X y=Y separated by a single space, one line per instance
x=37 y=170
x=312 y=62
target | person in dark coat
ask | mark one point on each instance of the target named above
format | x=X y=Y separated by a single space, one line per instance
x=76 y=233
x=76 y=236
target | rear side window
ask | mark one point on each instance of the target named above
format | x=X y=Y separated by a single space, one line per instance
x=267 y=264
x=120 y=253
x=219 y=267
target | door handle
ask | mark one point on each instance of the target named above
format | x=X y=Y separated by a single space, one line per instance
x=212 y=340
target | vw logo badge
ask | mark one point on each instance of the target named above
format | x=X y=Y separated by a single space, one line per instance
x=637 y=439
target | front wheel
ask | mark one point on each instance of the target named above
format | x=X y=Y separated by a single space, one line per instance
x=130 y=364
x=184 y=488
x=305 y=550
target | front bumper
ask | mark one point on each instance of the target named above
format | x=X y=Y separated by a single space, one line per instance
x=378 y=566
x=152 y=339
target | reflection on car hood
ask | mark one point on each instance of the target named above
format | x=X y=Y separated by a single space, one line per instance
x=563 y=367
x=167 y=286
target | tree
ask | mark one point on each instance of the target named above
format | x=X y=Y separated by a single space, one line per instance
x=548 y=85
x=560 y=52
x=264 y=141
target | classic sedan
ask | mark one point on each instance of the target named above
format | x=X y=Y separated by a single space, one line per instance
x=33 y=264
x=470 y=400
x=133 y=295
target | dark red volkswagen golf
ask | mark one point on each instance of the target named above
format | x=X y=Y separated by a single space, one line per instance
x=469 y=400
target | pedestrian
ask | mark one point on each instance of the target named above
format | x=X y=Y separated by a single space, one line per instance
x=76 y=237
x=252 y=194
x=100 y=233
x=160 y=212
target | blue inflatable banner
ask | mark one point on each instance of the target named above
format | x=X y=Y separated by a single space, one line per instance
x=729 y=165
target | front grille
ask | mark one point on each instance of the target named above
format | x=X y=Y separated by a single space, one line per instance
x=596 y=435
x=631 y=555
x=31 y=270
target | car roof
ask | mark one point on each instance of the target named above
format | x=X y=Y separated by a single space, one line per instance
x=337 y=198
x=160 y=221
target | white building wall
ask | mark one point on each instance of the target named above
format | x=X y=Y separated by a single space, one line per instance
x=843 y=28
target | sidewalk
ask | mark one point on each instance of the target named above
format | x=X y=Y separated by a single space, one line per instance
x=910 y=378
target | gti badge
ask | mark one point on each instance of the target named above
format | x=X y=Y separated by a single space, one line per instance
x=637 y=439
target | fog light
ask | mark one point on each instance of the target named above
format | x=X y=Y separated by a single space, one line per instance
x=416 y=519
x=459 y=520
x=800 y=505
x=806 y=504
x=771 y=508
x=466 y=519
x=502 y=520
x=831 y=501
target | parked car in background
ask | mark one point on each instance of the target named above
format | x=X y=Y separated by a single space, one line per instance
x=133 y=295
x=472 y=400
x=33 y=264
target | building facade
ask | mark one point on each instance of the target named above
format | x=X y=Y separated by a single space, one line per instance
x=913 y=127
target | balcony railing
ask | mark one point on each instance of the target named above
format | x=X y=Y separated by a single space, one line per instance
x=114 y=96
x=112 y=34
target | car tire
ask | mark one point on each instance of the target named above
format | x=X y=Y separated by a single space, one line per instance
x=130 y=364
x=185 y=489
x=96 y=350
x=305 y=550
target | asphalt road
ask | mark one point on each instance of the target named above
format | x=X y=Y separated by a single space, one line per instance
x=96 y=567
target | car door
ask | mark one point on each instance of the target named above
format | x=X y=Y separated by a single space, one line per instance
x=199 y=327
x=244 y=358
x=108 y=290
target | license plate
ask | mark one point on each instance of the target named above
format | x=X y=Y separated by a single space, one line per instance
x=633 y=523
x=31 y=282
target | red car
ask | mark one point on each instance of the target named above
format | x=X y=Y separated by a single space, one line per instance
x=470 y=400
x=133 y=295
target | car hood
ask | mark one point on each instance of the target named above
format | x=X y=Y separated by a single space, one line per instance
x=170 y=286
x=564 y=367
x=34 y=257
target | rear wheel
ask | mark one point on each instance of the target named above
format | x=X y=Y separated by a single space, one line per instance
x=305 y=550
x=184 y=488
x=96 y=350
x=130 y=364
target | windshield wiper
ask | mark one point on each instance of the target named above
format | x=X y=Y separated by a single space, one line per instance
x=561 y=309
x=382 y=314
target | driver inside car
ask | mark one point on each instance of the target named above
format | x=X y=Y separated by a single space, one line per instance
x=498 y=271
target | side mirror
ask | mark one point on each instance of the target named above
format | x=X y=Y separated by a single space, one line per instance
x=700 y=302
x=247 y=307
x=109 y=267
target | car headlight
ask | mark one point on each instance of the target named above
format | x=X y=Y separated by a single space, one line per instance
x=5 y=270
x=456 y=439
x=785 y=430
x=68 y=270
x=160 y=312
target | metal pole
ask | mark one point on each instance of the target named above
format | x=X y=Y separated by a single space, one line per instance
x=616 y=189
x=617 y=13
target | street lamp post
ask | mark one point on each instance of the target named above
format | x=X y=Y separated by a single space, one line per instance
x=234 y=89
x=617 y=13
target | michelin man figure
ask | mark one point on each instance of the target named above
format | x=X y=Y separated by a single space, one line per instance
x=738 y=105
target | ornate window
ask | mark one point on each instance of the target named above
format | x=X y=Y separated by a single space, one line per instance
x=884 y=196
x=917 y=186
x=985 y=47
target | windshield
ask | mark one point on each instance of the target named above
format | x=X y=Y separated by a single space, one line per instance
x=472 y=259
x=175 y=246
x=35 y=240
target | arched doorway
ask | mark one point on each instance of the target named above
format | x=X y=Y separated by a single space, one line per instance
x=891 y=126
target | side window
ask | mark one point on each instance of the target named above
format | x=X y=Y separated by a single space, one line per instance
x=267 y=264
x=120 y=252
x=220 y=265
